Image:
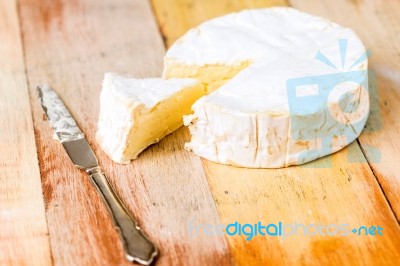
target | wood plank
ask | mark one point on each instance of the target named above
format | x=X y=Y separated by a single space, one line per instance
x=343 y=194
x=70 y=45
x=382 y=37
x=346 y=193
x=23 y=229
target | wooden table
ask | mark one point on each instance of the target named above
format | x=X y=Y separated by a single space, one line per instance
x=49 y=212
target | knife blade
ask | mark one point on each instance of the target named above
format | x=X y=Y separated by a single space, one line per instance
x=136 y=245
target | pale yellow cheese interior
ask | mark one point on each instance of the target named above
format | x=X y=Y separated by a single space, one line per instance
x=151 y=125
x=212 y=76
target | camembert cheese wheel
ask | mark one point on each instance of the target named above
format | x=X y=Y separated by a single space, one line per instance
x=285 y=87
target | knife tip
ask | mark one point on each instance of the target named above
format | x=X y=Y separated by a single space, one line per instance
x=39 y=91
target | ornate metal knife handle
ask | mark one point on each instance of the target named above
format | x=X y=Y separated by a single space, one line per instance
x=137 y=247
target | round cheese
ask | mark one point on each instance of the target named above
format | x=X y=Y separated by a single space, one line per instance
x=285 y=87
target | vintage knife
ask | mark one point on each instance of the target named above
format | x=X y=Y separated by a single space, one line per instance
x=137 y=247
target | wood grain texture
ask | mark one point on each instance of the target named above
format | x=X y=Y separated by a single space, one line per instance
x=23 y=230
x=70 y=45
x=346 y=193
x=175 y=17
x=378 y=25
x=341 y=194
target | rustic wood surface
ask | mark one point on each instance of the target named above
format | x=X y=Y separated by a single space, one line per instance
x=23 y=230
x=70 y=44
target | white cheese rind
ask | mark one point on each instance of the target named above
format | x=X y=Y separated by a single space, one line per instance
x=249 y=121
x=254 y=34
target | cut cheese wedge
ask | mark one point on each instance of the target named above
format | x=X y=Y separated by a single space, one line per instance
x=135 y=113
x=286 y=87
